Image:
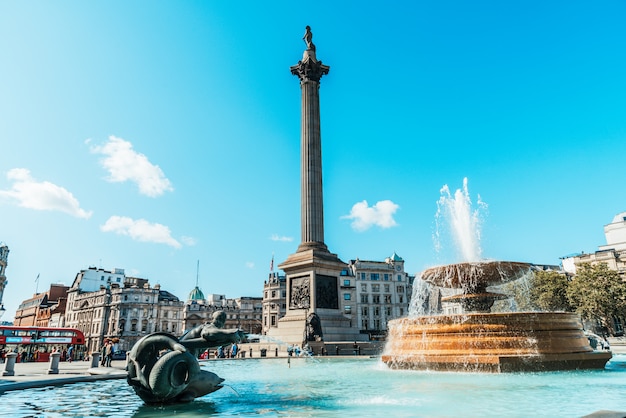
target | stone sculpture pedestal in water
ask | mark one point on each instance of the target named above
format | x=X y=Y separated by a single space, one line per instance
x=489 y=342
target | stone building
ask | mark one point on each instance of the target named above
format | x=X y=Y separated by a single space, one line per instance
x=381 y=292
x=121 y=308
x=244 y=313
x=37 y=310
x=274 y=300
x=613 y=253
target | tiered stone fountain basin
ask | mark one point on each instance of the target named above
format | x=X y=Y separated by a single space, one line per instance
x=488 y=342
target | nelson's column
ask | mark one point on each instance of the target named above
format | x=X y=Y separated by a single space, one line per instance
x=313 y=273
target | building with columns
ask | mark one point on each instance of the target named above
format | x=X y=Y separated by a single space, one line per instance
x=121 y=308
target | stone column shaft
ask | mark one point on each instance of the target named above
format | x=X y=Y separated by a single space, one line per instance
x=312 y=202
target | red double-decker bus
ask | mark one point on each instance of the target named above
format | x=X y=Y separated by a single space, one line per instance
x=38 y=342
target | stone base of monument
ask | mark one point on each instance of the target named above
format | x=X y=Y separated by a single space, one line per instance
x=491 y=342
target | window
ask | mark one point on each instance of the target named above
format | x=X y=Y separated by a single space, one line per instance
x=386 y=277
x=346 y=282
x=273 y=318
x=363 y=287
x=363 y=276
x=400 y=299
x=399 y=277
x=387 y=298
x=400 y=289
x=375 y=288
x=364 y=299
x=375 y=276
x=388 y=310
x=364 y=311
x=376 y=323
x=386 y=288
x=346 y=296
x=273 y=293
x=376 y=298
x=376 y=311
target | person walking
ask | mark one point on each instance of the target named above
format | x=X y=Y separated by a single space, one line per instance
x=108 y=354
x=103 y=352
x=70 y=353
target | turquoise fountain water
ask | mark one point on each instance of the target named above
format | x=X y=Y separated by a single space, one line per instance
x=346 y=387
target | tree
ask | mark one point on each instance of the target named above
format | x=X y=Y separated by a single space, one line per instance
x=538 y=291
x=548 y=291
x=598 y=294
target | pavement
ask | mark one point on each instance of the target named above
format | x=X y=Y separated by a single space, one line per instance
x=35 y=374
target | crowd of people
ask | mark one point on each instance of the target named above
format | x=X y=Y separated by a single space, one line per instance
x=28 y=354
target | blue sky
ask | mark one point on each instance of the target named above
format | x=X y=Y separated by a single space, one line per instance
x=148 y=135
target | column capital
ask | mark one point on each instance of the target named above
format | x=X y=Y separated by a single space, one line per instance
x=309 y=69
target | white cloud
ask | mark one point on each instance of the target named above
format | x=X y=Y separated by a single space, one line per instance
x=364 y=217
x=126 y=164
x=140 y=230
x=250 y=264
x=276 y=237
x=189 y=241
x=41 y=195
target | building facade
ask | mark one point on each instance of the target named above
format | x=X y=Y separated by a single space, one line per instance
x=381 y=292
x=274 y=301
x=613 y=253
x=122 y=308
x=37 y=310
x=243 y=313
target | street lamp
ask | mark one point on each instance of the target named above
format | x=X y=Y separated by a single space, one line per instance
x=2 y=310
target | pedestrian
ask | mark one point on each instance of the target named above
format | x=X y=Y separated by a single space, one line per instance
x=70 y=353
x=103 y=352
x=108 y=354
x=233 y=351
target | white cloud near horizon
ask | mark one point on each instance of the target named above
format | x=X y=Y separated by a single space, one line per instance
x=126 y=164
x=41 y=195
x=276 y=237
x=364 y=217
x=250 y=264
x=140 y=230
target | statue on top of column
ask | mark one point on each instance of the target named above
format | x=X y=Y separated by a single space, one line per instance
x=308 y=39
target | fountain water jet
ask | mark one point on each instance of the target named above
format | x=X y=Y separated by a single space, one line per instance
x=479 y=340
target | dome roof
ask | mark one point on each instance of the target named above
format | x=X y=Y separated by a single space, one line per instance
x=196 y=294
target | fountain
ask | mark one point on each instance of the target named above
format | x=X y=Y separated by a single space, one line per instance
x=163 y=369
x=478 y=340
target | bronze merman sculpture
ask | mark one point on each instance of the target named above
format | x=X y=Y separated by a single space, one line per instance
x=164 y=369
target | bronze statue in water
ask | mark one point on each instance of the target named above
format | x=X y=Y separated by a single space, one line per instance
x=164 y=369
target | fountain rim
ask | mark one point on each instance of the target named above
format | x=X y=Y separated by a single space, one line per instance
x=434 y=274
